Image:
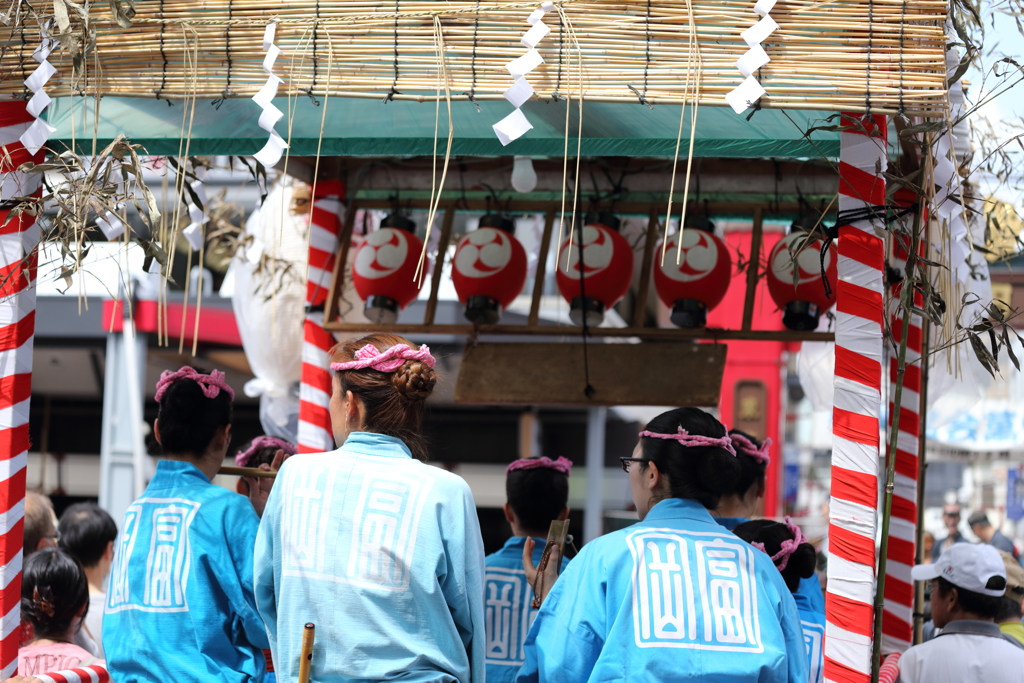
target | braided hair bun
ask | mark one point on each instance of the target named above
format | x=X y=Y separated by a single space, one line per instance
x=802 y=562
x=414 y=381
x=394 y=401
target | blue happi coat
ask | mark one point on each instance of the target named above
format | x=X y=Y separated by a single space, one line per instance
x=810 y=587
x=383 y=554
x=813 y=624
x=180 y=605
x=672 y=598
x=508 y=613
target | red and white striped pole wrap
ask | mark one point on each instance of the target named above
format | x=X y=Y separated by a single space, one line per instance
x=897 y=619
x=315 y=433
x=94 y=673
x=18 y=258
x=860 y=312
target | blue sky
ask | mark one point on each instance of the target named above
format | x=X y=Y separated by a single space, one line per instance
x=1005 y=112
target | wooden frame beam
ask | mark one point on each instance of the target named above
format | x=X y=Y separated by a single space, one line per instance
x=442 y=254
x=652 y=333
x=752 y=268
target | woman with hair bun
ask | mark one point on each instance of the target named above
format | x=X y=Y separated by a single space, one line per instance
x=795 y=559
x=742 y=502
x=674 y=597
x=180 y=604
x=379 y=550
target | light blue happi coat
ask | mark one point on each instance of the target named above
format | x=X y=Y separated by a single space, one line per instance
x=675 y=597
x=813 y=624
x=383 y=554
x=180 y=605
x=508 y=610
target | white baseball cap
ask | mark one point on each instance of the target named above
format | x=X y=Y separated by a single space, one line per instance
x=974 y=567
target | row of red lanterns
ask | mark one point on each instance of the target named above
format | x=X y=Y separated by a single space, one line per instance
x=489 y=271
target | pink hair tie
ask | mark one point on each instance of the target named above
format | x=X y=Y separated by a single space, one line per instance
x=562 y=465
x=210 y=384
x=688 y=440
x=786 y=548
x=260 y=442
x=747 y=446
x=388 y=361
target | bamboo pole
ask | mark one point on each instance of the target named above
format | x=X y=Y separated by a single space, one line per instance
x=922 y=448
x=247 y=472
x=306 y=656
x=906 y=308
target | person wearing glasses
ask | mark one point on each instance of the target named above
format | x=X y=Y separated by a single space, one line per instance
x=675 y=597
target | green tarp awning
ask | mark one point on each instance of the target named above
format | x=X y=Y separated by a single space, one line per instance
x=368 y=127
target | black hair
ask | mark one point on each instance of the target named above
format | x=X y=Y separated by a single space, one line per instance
x=701 y=473
x=752 y=471
x=54 y=591
x=85 y=530
x=803 y=560
x=985 y=606
x=189 y=420
x=261 y=456
x=1009 y=609
x=537 y=496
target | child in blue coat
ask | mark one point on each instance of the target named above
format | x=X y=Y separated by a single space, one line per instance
x=795 y=559
x=675 y=597
x=180 y=605
x=538 y=492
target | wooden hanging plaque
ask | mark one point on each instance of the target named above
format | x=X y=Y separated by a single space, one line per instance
x=656 y=374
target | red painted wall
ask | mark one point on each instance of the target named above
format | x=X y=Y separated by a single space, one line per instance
x=755 y=360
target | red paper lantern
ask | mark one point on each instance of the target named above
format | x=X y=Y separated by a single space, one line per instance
x=699 y=281
x=489 y=269
x=796 y=286
x=607 y=269
x=384 y=269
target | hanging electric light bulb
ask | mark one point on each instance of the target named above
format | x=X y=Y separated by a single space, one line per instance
x=524 y=177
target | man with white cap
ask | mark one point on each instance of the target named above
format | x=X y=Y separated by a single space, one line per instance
x=968 y=583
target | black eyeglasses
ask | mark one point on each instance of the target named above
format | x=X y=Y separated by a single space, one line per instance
x=625 y=463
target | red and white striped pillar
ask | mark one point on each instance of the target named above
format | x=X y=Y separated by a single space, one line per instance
x=315 y=433
x=18 y=257
x=93 y=673
x=897 y=618
x=858 y=400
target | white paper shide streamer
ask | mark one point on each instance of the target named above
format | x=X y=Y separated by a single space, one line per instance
x=747 y=93
x=111 y=225
x=194 y=232
x=948 y=203
x=513 y=126
x=40 y=131
x=275 y=147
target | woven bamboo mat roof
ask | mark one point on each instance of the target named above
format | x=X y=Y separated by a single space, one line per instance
x=838 y=55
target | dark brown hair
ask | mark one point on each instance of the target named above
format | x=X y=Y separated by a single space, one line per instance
x=394 y=401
